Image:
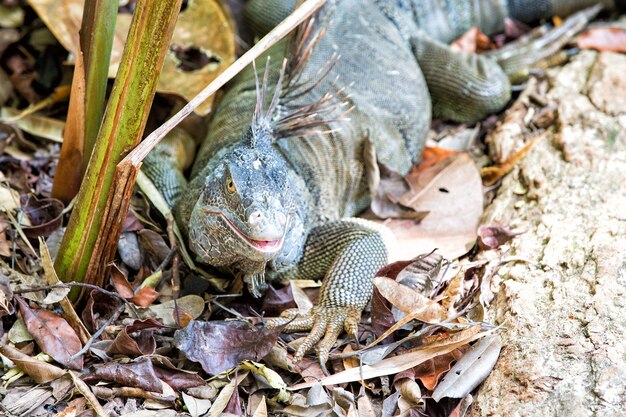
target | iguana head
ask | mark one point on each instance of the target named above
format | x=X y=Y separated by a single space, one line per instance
x=246 y=208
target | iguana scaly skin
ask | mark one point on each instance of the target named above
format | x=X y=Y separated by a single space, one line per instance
x=275 y=181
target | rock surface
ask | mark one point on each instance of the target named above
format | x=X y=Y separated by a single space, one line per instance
x=565 y=310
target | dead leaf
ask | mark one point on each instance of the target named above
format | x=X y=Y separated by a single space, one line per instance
x=53 y=334
x=189 y=305
x=121 y=284
x=410 y=395
x=41 y=372
x=603 y=39
x=382 y=317
x=219 y=346
x=153 y=248
x=144 y=297
x=318 y=403
x=222 y=400
x=430 y=371
x=139 y=374
x=409 y=301
x=196 y=406
x=143 y=343
x=36 y=125
x=9 y=199
x=203 y=30
x=261 y=410
x=402 y=361
x=365 y=406
x=451 y=192
x=470 y=370
x=471 y=42
x=385 y=203
x=45 y=215
x=276 y=301
x=88 y=394
x=177 y=378
x=513 y=29
x=98 y=308
x=492 y=237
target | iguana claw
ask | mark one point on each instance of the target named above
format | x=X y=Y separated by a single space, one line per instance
x=325 y=324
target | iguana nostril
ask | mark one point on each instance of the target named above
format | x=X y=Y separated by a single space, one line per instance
x=255 y=217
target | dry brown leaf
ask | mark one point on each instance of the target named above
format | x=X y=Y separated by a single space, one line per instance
x=261 y=410
x=53 y=335
x=410 y=301
x=603 y=39
x=430 y=371
x=451 y=192
x=41 y=372
x=400 y=362
x=364 y=406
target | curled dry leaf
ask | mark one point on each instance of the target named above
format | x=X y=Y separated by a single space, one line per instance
x=138 y=374
x=491 y=237
x=470 y=370
x=219 y=346
x=141 y=344
x=53 y=335
x=45 y=215
x=269 y=377
x=144 y=297
x=276 y=301
x=41 y=372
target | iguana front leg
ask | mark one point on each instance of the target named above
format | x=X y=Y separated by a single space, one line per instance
x=346 y=254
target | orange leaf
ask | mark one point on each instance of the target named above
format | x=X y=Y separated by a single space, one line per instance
x=431 y=156
x=430 y=371
x=145 y=296
x=603 y=39
x=471 y=42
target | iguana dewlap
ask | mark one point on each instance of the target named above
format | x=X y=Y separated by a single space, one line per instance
x=280 y=172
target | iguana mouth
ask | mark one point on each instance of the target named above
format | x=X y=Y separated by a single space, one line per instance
x=265 y=246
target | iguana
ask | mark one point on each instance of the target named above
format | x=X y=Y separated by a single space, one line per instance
x=282 y=172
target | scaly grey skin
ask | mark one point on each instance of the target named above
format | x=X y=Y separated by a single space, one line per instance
x=265 y=200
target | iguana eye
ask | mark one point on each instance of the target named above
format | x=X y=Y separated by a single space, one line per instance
x=230 y=185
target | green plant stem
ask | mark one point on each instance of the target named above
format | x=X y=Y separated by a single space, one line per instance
x=96 y=41
x=124 y=121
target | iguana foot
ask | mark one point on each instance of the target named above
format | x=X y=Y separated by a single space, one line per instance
x=325 y=324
